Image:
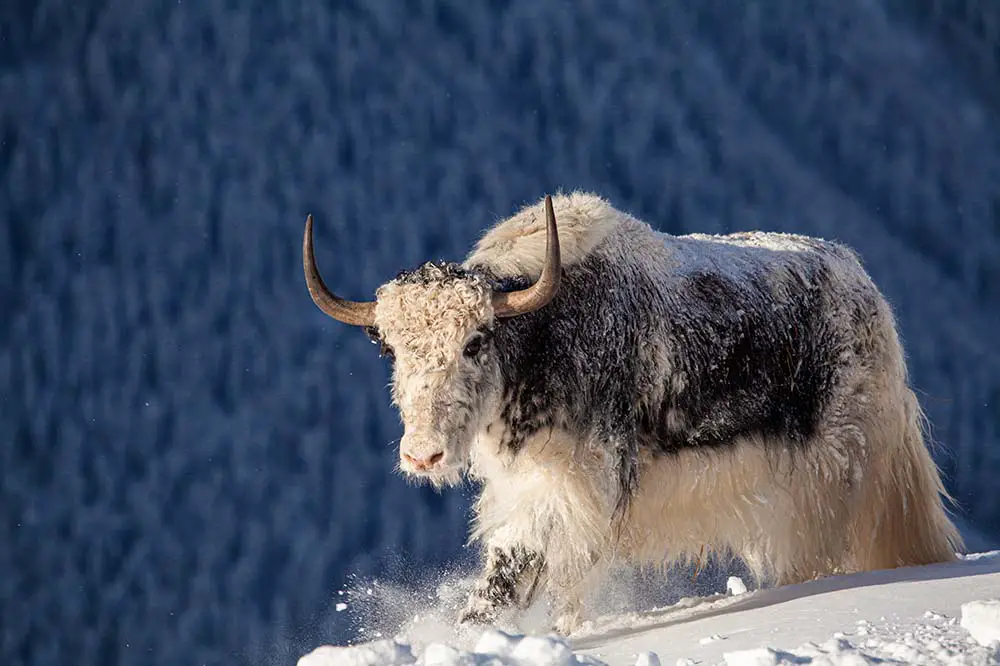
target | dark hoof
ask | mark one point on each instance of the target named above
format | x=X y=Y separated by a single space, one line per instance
x=475 y=616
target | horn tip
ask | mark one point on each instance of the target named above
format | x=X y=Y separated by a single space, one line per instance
x=549 y=213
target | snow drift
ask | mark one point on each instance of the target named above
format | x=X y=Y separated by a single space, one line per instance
x=937 y=614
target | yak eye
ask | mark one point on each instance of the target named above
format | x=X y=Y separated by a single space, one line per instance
x=376 y=338
x=473 y=347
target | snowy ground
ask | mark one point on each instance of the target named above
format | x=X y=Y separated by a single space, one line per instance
x=941 y=614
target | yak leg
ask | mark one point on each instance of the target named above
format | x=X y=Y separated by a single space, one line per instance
x=510 y=578
x=567 y=585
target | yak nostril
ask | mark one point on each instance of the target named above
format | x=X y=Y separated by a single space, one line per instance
x=424 y=463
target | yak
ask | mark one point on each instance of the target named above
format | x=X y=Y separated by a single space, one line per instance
x=622 y=395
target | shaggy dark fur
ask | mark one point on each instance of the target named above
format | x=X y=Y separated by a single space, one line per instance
x=753 y=361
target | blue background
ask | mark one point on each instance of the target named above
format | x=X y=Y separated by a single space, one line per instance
x=193 y=459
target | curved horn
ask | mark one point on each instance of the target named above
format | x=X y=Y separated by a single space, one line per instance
x=510 y=304
x=348 y=312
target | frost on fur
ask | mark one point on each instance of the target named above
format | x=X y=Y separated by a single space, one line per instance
x=743 y=394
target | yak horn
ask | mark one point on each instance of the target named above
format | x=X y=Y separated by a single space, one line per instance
x=513 y=303
x=348 y=312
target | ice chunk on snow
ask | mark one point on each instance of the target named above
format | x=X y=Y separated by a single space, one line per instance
x=496 y=642
x=379 y=653
x=735 y=586
x=542 y=650
x=439 y=654
x=982 y=620
x=647 y=659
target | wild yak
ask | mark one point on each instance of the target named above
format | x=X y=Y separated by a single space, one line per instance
x=625 y=395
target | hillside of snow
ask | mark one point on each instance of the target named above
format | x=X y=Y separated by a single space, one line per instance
x=938 y=614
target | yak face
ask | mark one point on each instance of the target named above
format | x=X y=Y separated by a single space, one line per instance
x=436 y=323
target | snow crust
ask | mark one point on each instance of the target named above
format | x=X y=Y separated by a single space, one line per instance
x=494 y=648
x=834 y=651
x=982 y=620
x=939 y=614
x=376 y=653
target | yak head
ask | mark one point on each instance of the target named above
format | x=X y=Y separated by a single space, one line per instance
x=436 y=323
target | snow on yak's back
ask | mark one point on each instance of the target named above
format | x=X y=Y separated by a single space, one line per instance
x=624 y=394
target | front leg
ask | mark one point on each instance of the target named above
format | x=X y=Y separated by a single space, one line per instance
x=510 y=577
x=567 y=582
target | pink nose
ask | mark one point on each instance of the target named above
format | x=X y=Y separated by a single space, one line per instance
x=424 y=464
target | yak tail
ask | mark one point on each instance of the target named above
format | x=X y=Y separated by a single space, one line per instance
x=902 y=518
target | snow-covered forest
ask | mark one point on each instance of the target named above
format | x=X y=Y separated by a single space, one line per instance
x=194 y=459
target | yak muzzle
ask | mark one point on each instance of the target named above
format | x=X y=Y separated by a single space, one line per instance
x=420 y=455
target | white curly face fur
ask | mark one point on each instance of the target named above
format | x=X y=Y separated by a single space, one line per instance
x=441 y=383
